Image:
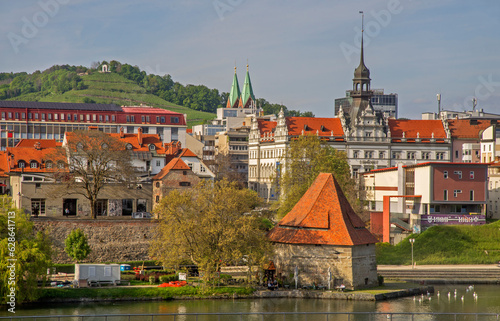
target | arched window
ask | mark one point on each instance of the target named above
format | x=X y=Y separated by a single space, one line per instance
x=129 y=146
x=21 y=164
x=60 y=164
x=152 y=147
x=33 y=164
x=49 y=164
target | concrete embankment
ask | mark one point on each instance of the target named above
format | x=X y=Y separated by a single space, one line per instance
x=439 y=274
x=359 y=296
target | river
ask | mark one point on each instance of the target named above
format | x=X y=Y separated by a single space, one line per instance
x=487 y=301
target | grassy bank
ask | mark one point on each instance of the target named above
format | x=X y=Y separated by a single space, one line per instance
x=446 y=245
x=139 y=292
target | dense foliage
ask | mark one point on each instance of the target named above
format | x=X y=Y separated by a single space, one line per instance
x=57 y=79
x=304 y=160
x=25 y=254
x=209 y=226
x=76 y=245
x=446 y=245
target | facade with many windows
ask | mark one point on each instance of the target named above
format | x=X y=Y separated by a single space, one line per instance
x=47 y=120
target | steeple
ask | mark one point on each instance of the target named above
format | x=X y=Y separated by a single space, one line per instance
x=247 y=96
x=234 y=95
x=361 y=92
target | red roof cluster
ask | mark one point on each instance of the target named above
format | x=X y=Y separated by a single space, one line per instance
x=423 y=129
x=323 y=216
x=174 y=164
x=467 y=128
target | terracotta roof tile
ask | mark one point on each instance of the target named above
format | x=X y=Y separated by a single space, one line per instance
x=313 y=125
x=322 y=216
x=466 y=128
x=174 y=164
x=425 y=128
x=44 y=143
x=186 y=152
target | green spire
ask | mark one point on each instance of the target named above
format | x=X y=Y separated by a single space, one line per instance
x=247 y=92
x=234 y=95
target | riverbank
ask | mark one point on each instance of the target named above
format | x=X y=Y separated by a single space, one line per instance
x=148 y=293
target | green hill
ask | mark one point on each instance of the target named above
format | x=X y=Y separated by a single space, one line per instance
x=112 y=88
x=446 y=245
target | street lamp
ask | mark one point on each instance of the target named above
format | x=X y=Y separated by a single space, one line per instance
x=411 y=242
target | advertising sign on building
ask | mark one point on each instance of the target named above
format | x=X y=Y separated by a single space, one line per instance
x=452 y=219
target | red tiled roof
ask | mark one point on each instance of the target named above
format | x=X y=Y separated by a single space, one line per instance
x=147 y=139
x=322 y=216
x=44 y=143
x=4 y=164
x=186 y=152
x=150 y=110
x=266 y=126
x=425 y=128
x=462 y=128
x=174 y=164
x=313 y=125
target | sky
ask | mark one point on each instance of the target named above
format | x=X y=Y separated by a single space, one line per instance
x=300 y=53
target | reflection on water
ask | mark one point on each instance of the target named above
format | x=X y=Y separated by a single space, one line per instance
x=486 y=300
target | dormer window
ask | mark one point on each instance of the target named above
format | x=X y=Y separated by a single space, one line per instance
x=60 y=164
x=49 y=164
x=33 y=164
x=21 y=164
x=79 y=146
x=129 y=146
x=104 y=146
x=152 y=147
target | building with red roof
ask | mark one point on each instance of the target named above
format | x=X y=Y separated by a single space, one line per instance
x=175 y=175
x=49 y=120
x=323 y=233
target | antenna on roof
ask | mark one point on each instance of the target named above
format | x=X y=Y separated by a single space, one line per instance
x=474 y=103
x=439 y=104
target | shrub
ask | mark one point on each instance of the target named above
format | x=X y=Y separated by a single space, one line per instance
x=152 y=280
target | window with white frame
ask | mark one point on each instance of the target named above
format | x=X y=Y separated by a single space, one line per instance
x=471 y=194
x=471 y=175
x=458 y=173
x=456 y=192
x=445 y=195
x=445 y=174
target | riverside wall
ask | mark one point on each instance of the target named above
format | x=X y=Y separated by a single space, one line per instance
x=109 y=240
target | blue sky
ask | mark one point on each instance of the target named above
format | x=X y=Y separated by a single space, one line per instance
x=301 y=53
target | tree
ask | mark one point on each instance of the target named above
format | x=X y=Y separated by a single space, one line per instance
x=305 y=158
x=209 y=225
x=92 y=159
x=26 y=255
x=77 y=246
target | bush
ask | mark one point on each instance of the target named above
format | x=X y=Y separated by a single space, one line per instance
x=380 y=279
x=152 y=280
x=169 y=278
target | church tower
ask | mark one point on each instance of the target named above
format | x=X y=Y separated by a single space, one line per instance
x=234 y=96
x=361 y=94
x=247 y=99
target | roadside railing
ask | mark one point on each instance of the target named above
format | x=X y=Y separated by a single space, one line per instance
x=265 y=316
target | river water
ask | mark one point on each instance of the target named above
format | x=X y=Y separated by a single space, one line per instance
x=487 y=301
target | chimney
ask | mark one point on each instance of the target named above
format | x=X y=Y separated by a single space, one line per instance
x=139 y=135
x=122 y=132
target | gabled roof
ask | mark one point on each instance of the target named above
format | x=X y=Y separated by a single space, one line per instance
x=322 y=216
x=467 y=128
x=313 y=125
x=412 y=128
x=4 y=164
x=174 y=164
x=186 y=152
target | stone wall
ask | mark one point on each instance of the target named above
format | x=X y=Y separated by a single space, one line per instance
x=110 y=240
x=348 y=265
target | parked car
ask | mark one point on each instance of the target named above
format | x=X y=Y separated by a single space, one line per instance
x=141 y=215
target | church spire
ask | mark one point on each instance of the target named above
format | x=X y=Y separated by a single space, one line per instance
x=247 y=96
x=362 y=71
x=234 y=95
x=361 y=93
